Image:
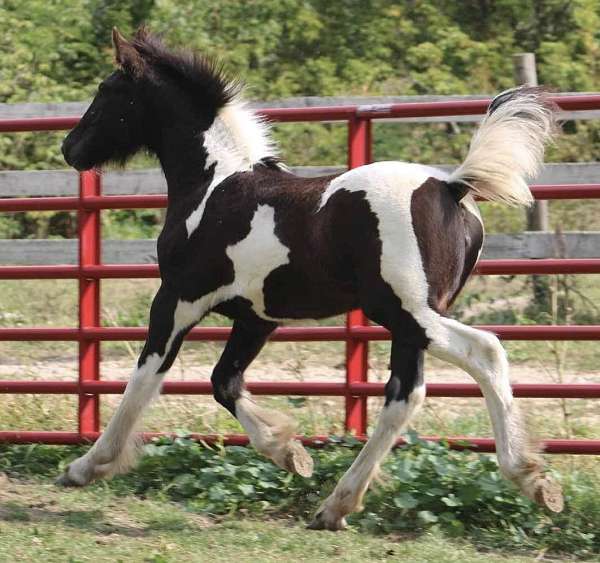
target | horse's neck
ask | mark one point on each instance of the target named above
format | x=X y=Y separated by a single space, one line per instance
x=235 y=142
x=185 y=162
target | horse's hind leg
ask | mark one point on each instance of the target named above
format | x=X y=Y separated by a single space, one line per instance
x=404 y=394
x=480 y=354
x=116 y=449
x=270 y=432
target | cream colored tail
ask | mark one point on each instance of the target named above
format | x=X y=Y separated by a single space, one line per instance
x=508 y=147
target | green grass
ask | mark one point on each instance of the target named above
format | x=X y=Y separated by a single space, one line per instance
x=185 y=501
x=52 y=525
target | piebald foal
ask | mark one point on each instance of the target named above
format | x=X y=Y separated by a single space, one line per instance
x=247 y=239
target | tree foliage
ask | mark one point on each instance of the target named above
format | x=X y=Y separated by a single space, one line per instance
x=58 y=50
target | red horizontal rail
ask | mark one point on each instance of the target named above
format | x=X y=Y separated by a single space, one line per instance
x=539 y=266
x=295 y=334
x=507 y=332
x=126 y=202
x=555 y=446
x=464 y=107
x=524 y=390
x=305 y=388
x=53 y=203
x=68 y=203
x=113 y=271
x=411 y=109
x=565 y=191
x=317 y=113
x=53 y=272
x=90 y=203
x=38 y=124
x=105 y=271
x=285 y=334
x=332 y=113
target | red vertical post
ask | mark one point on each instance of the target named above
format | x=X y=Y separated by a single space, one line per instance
x=89 y=300
x=359 y=153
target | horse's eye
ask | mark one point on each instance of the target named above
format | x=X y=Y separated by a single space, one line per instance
x=101 y=86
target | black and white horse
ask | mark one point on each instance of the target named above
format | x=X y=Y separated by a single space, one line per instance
x=247 y=239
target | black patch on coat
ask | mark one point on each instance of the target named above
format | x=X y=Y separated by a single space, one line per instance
x=449 y=239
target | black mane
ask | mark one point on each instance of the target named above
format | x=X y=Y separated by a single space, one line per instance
x=202 y=75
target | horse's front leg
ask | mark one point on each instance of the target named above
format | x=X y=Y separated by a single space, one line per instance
x=404 y=394
x=270 y=432
x=116 y=450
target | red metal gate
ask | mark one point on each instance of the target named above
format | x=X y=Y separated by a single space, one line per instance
x=356 y=334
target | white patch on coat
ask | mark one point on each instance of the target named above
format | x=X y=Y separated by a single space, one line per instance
x=254 y=258
x=388 y=188
x=235 y=142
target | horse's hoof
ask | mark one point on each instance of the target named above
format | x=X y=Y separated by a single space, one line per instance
x=65 y=481
x=548 y=493
x=323 y=522
x=297 y=460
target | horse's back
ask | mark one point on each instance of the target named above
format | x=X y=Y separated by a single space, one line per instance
x=312 y=247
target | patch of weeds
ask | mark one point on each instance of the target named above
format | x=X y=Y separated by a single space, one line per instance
x=424 y=487
x=36 y=459
x=156 y=558
x=14 y=512
x=166 y=522
x=84 y=519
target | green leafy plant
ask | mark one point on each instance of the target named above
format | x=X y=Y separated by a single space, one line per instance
x=423 y=486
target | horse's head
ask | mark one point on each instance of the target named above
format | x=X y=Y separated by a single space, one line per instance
x=153 y=89
x=113 y=126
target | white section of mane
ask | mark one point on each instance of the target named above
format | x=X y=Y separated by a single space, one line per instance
x=245 y=136
x=235 y=142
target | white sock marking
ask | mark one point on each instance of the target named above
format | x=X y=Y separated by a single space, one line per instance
x=113 y=448
x=481 y=355
x=269 y=431
x=348 y=493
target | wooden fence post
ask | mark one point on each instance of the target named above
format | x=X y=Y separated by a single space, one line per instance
x=537 y=215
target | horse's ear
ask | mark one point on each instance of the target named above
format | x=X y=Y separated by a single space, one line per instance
x=126 y=55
